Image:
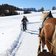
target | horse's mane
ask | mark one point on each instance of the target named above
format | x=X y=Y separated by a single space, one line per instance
x=46 y=16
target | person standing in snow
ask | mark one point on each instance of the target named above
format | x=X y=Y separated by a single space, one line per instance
x=24 y=23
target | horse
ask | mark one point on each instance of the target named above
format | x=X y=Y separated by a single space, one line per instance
x=47 y=33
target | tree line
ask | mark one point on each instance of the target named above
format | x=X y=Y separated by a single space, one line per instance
x=7 y=10
x=42 y=9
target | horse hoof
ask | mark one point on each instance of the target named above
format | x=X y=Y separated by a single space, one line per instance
x=44 y=50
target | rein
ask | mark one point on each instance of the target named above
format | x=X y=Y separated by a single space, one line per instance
x=51 y=44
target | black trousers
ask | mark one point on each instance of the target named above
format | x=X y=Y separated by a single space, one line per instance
x=24 y=27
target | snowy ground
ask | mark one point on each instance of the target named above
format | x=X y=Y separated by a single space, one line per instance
x=11 y=34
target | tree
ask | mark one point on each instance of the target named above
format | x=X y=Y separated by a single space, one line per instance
x=53 y=8
x=42 y=9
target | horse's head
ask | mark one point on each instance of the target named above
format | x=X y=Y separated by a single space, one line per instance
x=43 y=17
x=46 y=15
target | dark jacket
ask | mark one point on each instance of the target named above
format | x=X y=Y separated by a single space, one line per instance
x=24 y=20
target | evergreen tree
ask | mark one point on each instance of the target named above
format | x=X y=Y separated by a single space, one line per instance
x=53 y=8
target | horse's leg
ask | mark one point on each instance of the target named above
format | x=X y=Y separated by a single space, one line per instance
x=43 y=44
x=39 y=48
x=42 y=39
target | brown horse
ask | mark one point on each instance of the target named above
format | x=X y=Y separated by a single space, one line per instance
x=47 y=33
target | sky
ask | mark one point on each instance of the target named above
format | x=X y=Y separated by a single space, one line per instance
x=47 y=4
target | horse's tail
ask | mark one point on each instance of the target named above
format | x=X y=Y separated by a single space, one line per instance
x=41 y=32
